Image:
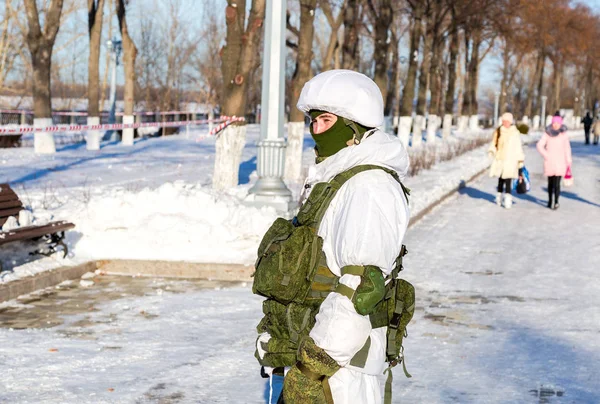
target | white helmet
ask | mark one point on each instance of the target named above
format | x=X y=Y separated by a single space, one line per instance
x=345 y=93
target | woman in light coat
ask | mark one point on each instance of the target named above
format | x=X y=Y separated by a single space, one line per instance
x=555 y=147
x=507 y=150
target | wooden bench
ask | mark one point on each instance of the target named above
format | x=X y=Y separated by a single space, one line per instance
x=53 y=233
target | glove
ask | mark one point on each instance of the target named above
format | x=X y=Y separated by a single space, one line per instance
x=306 y=381
x=521 y=164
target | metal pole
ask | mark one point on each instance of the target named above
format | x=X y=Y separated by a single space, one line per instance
x=270 y=188
x=543 y=117
x=496 y=108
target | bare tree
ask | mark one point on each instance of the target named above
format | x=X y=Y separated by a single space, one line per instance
x=109 y=17
x=452 y=60
x=9 y=43
x=206 y=63
x=381 y=18
x=95 y=15
x=417 y=12
x=40 y=42
x=418 y=9
x=334 y=22
x=293 y=164
x=352 y=24
x=129 y=55
x=239 y=59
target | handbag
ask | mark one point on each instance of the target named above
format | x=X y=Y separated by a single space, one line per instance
x=523 y=184
x=568 y=180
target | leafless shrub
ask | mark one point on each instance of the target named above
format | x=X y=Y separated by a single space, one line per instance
x=424 y=158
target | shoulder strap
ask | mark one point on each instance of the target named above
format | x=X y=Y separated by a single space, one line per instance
x=341 y=178
x=336 y=183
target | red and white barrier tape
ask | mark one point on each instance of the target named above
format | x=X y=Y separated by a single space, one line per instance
x=116 y=126
x=76 y=113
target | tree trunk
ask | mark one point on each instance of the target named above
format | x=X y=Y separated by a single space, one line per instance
x=351 y=38
x=556 y=78
x=238 y=63
x=424 y=73
x=589 y=97
x=503 y=89
x=331 y=47
x=42 y=98
x=40 y=43
x=406 y=104
x=436 y=76
x=449 y=103
x=531 y=88
x=95 y=11
x=304 y=57
x=383 y=20
x=95 y=17
x=474 y=75
x=129 y=55
x=334 y=24
x=390 y=99
x=239 y=54
x=293 y=158
x=540 y=92
x=466 y=102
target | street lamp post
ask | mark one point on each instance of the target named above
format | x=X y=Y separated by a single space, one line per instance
x=270 y=189
x=114 y=47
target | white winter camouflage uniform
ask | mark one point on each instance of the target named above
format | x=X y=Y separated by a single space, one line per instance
x=364 y=225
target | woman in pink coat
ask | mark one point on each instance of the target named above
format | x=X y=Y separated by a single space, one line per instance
x=556 y=149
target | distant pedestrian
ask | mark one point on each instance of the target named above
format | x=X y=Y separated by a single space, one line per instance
x=555 y=147
x=596 y=129
x=587 y=126
x=507 y=150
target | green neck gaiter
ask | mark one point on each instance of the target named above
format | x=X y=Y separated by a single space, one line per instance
x=335 y=138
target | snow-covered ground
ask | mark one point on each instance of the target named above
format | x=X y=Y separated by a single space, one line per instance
x=507 y=312
x=154 y=201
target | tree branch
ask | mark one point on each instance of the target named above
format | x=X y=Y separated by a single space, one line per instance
x=289 y=25
x=52 y=22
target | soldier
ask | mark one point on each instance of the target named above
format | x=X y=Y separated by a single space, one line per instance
x=336 y=311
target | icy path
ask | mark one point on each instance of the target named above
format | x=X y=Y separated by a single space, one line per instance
x=509 y=299
x=507 y=311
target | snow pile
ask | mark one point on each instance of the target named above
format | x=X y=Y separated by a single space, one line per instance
x=176 y=221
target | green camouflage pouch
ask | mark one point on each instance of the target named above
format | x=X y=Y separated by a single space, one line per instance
x=288 y=257
x=308 y=380
x=287 y=325
x=313 y=209
x=401 y=309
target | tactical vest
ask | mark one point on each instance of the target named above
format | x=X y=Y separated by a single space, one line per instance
x=292 y=273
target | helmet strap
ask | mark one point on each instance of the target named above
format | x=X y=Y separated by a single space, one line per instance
x=357 y=135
